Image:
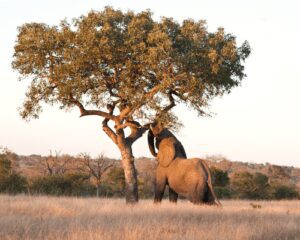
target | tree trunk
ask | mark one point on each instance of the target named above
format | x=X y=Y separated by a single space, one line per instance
x=131 y=190
x=98 y=190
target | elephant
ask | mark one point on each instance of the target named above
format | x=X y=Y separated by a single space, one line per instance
x=158 y=133
x=190 y=178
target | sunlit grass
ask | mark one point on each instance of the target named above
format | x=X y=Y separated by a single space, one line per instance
x=25 y=217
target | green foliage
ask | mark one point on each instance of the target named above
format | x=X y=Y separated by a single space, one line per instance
x=261 y=186
x=220 y=181
x=223 y=192
x=107 y=190
x=68 y=184
x=284 y=192
x=242 y=184
x=219 y=178
x=10 y=182
x=146 y=188
x=116 y=180
x=13 y=184
x=246 y=185
x=112 y=55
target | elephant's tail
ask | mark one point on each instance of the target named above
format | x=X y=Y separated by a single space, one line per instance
x=210 y=192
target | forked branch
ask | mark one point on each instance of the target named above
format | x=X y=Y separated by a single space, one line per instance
x=136 y=129
x=171 y=104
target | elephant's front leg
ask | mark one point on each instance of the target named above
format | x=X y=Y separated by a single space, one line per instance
x=173 y=196
x=159 y=186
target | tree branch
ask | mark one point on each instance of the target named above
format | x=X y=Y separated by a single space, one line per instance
x=172 y=103
x=136 y=134
x=85 y=112
x=179 y=95
x=109 y=132
x=132 y=124
x=97 y=167
x=136 y=129
x=124 y=113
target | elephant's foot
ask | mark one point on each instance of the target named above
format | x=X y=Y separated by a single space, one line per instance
x=173 y=196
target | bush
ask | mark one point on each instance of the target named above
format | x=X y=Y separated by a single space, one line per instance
x=246 y=185
x=219 y=178
x=261 y=186
x=146 y=188
x=284 y=192
x=13 y=184
x=106 y=190
x=242 y=184
x=10 y=181
x=67 y=184
x=116 y=181
x=223 y=192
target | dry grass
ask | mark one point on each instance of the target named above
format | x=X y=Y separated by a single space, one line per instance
x=24 y=217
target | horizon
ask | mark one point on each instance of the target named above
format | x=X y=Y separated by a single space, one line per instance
x=257 y=122
x=207 y=158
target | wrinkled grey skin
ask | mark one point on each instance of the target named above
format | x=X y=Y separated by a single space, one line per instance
x=187 y=177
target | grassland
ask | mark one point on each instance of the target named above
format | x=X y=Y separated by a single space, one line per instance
x=25 y=217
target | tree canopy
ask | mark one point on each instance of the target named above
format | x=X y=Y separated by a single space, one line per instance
x=141 y=66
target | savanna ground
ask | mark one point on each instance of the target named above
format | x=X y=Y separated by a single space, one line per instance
x=25 y=217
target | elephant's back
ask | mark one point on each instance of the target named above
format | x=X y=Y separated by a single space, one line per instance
x=199 y=168
x=186 y=173
x=189 y=166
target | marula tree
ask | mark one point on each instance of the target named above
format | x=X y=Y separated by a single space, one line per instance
x=128 y=69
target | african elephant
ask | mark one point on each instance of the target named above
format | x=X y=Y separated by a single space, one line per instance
x=190 y=178
x=157 y=132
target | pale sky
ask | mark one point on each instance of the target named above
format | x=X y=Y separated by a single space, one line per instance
x=258 y=122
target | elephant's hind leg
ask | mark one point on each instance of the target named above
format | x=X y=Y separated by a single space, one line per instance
x=208 y=197
x=197 y=196
x=173 y=196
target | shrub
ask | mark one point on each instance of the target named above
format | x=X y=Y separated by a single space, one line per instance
x=13 y=184
x=10 y=181
x=261 y=186
x=223 y=192
x=246 y=185
x=67 y=184
x=146 y=188
x=284 y=192
x=116 y=180
x=219 y=178
x=242 y=184
x=106 y=190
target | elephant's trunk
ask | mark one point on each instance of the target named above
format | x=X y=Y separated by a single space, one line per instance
x=151 y=143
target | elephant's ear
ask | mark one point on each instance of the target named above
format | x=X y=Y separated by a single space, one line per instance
x=151 y=143
x=166 y=153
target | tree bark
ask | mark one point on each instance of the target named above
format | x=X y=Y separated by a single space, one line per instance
x=98 y=190
x=131 y=190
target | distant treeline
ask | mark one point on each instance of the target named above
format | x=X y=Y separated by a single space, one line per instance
x=85 y=176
